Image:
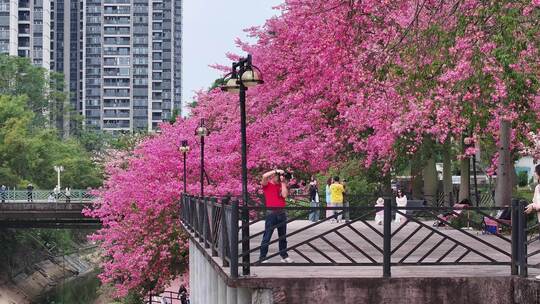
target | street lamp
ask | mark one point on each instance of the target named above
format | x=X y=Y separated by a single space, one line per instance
x=476 y=194
x=184 y=149
x=58 y=169
x=242 y=76
x=202 y=132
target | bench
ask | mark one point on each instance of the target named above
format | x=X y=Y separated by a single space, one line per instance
x=415 y=204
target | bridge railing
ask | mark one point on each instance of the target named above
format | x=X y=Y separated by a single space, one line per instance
x=365 y=236
x=40 y=196
x=167 y=297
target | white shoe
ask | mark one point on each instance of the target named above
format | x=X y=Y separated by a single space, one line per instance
x=538 y=277
x=265 y=261
x=287 y=260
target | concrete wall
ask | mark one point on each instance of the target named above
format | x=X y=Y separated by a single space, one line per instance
x=209 y=285
x=502 y=290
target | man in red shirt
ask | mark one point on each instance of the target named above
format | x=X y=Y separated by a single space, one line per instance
x=274 y=184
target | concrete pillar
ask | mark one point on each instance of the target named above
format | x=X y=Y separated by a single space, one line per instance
x=262 y=296
x=191 y=268
x=222 y=291
x=244 y=296
x=213 y=282
x=197 y=275
x=204 y=280
x=200 y=276
x=232 y=295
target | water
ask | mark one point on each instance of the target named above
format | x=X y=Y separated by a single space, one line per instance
x=82 y=290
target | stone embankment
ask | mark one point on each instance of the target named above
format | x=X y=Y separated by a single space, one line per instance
x=45 y=275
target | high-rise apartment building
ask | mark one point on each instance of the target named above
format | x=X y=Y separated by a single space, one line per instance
x=132 y=63
x=25 y=29
x=121 y=58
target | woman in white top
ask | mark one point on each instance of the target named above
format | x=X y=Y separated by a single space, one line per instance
x=401 y=201
x=535 y=205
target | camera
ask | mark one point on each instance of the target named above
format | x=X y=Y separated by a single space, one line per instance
x=287 y=175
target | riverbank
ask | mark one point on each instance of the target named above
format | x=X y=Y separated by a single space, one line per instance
x=31 y=284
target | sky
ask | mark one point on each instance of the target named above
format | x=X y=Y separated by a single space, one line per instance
x=210 y=28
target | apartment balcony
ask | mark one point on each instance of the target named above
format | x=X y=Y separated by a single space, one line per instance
x=116 y=31
x=116 y=105
x=116 y=123
x=121 y=10
x=24 y=4
x=117 y=2
x=24 y=16
x=116 y=114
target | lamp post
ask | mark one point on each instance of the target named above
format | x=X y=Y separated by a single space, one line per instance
x=202 y=132
x=472 y=143
x=184 y=149
x=58 y=169
x=242 y=76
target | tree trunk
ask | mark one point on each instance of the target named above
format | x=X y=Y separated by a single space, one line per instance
x=465 y=168
x=447 y=175
x=430 y=181
x=503 y=189
x=416 y=179
x=386 y=186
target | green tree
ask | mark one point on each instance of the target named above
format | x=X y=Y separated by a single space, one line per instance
x=28 y=154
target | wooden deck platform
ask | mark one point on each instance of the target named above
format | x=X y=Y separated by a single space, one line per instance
x=422 y=246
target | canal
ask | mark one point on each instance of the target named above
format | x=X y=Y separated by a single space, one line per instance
x=82 y=290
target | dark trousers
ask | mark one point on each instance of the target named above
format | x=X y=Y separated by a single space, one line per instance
x=273 y=219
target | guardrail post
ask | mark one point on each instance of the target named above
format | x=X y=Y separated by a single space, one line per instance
x=206 y=222
x=245 y=240
x=515 y=238
x=214 y=226
x=387 y=236
x=346 y=211
x=200 y=218
x=189 y=200
x=234 y=240
x=523 y=271
x=224 y=238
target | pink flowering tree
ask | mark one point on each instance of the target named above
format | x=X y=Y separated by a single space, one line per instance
x=369 y=79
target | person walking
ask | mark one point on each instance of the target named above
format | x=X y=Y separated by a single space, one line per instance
x=183 y=295
x=401 y=201
x=337 y=190
x=3 y=191
x=56 y=192
x=29 y=192
x=274 y=185
x=314 y=215
x=68 y=195
x=329 y=212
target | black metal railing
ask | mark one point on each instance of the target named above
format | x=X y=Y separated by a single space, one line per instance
x=167 y=297
x=427 y=235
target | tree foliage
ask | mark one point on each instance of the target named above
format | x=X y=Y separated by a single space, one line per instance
x=28 y=154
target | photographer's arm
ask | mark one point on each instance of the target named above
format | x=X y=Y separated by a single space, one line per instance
x=266 y=177
x=284 y=189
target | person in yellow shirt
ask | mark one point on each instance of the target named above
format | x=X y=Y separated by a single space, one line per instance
x=337 y=190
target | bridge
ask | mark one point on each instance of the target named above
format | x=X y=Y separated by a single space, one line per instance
x=20 y=210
